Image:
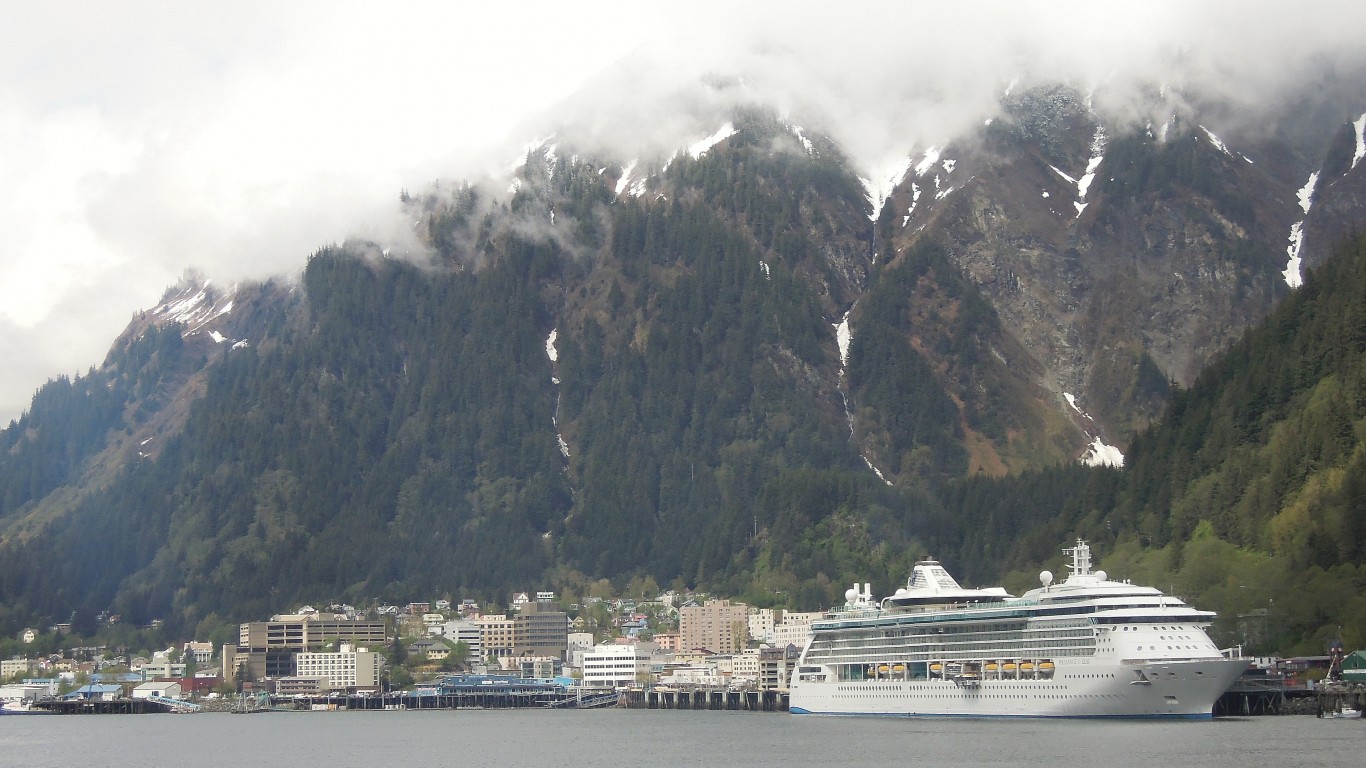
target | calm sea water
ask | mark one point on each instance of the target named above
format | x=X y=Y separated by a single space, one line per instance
x=662 y=739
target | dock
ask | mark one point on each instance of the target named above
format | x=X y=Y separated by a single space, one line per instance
x=119 y=706
x=705 y=698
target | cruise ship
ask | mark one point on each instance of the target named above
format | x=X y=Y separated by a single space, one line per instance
x=1085 y=647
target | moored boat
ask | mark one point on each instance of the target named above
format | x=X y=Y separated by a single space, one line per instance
x=1088 y=647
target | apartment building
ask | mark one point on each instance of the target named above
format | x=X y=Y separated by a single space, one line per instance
x=718 y=626
x=348 y=669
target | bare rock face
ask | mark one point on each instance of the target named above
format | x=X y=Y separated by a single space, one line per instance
x=1121 y=257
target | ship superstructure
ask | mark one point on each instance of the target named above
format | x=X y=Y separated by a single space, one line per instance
x=1086 y=647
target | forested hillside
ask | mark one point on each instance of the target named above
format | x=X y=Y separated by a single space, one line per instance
x=1249 y=495
x=721 y=370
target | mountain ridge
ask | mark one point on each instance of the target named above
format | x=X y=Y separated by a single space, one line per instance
x=702 y=419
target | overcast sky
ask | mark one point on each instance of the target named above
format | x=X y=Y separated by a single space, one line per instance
x=139 y=138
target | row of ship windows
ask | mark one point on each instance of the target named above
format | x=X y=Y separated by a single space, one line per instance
x=860 y=638
x=893 y=642
x=985 y=647
x=880 y=686
x=968 y=694
x=977 y=630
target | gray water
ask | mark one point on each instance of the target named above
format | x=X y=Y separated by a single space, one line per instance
x=662 y=739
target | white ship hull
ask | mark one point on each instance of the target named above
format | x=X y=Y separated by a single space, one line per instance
x=1157 y=689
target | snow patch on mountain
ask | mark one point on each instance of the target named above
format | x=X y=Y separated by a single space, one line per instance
x=1306 y=193
x=1072 y=401
x=1215 y=141
x=194 y=308
x=880 y=185
x=843 y=335
x=550 y=350
x=554 y=354
x=876 y=471
x=1305 y=196
x=928 y=160
x=1099 y=454
x=1360 y=152
x=625 y=181
x=700 y=148
x=797 y=131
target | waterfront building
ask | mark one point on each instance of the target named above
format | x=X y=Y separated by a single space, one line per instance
x=744 y=667
x=302 y=686
x=348 y=668
x=163 y=689
x=615 y=666
x=268 y=648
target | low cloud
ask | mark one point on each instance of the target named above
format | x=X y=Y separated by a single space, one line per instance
x=237 y=138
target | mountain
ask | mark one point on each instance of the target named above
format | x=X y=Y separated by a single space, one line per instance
x=741 y=366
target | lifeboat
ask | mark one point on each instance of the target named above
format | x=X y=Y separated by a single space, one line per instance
x=1046 y=668
x=898 y=668
x=884 y=669
x=936 y=668
x=1026 y=666
x=1009 y=666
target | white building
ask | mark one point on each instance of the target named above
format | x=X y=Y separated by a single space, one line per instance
x=347 y=668
x=795 y=629
x=457 y=630
x=761 y=623
x=615 y=666
x=744 y=667
x=163 y=690
x=202 y=653
x=160 y=668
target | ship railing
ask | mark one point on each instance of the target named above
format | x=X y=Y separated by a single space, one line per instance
x=1234 y=652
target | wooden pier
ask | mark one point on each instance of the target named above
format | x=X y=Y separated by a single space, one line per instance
x=704 y=698
x=103 y=706
x=1332 y=699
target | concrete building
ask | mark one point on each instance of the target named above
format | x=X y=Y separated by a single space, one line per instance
x=776 y=665
x=794 y=629
x=160 y=668
x=268 y=648
x=460 y=630
x=615 y=666
x=497 y=636
x=718 y=626
x=301 y=633
x=544 y=631
x=302 y=686
x=761 y=622
x=11 y=667
x=348 y=668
